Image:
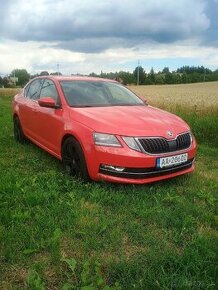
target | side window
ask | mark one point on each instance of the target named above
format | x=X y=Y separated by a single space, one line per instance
x=26 y=91
x=49 y=90
x=34 y=89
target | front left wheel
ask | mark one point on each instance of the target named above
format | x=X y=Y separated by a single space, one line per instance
x=73 y=159
x=18 y=131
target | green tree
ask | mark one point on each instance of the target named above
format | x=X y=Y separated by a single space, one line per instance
x=150 y=79
x=169 y=78
x=56 y=74
x=1 y=81
x=159 y=79
x=6 y=82
x=142 y=75
x=127 y=77
x=152 y=75
x=22 y=75
x=176 y=78
x=165 y=70
x=44 y=73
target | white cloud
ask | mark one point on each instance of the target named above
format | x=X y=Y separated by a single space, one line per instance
x=35 y=57
x=85 y=36
x=87 y=26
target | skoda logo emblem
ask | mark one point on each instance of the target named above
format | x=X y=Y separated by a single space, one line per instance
x=170 y=133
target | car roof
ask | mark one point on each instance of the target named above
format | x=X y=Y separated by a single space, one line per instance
x=74 y=78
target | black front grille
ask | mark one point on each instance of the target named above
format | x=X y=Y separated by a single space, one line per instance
x=162 y=145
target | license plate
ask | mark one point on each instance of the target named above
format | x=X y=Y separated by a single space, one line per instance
x=172 y=160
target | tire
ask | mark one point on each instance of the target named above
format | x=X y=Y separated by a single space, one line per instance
x=18 y=132
x=74 y=160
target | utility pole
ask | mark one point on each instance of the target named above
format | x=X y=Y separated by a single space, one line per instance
x=58 y=66
x=138 y=74
x=14 y=79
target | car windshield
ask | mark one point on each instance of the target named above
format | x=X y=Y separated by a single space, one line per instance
x=98 y=93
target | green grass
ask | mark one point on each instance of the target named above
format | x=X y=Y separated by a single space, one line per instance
x=203 y=123
x=59 y=233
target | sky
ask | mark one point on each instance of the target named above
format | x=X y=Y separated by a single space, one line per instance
x=84 y=36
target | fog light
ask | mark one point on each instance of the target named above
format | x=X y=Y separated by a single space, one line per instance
x=112 y=168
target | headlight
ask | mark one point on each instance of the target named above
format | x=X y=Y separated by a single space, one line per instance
x=130 y=141
x=106 y=140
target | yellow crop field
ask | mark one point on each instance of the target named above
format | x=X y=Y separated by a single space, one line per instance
x=201 y=97
x=8 y=92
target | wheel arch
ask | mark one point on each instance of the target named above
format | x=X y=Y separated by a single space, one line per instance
x=81 y=149
x=76 y=134
x=83 y=135
x=15 y=115
x=69 y=135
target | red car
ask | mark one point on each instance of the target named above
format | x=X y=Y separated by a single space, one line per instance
x=102 y=131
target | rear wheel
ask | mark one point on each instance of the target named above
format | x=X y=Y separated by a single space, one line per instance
x=73 y=159
x=18 y=132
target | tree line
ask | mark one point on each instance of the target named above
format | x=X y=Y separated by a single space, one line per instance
x=184 y=74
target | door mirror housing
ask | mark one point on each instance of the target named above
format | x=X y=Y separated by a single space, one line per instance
x=143 y=99
x=48 y=102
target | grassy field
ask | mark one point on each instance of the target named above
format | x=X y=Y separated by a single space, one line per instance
x=59 y=233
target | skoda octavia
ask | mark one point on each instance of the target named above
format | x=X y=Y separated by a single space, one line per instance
x=102 y=131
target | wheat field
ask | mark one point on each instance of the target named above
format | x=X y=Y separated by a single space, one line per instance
x=202 y=97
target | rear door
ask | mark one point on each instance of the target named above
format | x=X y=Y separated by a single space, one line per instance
x=28 y=108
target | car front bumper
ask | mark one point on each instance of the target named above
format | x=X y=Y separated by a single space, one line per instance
x=139 y=168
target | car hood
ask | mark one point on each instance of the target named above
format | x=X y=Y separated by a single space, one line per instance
x=130 y=120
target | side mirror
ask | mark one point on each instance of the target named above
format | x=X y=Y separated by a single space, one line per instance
x=48 y=102
x=143 y=99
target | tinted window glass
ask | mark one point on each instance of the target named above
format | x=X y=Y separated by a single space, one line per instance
x=98 y=93
x=49 y=90
x=34 y=89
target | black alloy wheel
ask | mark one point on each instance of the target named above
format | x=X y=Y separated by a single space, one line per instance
x=18 y=132
x=73 y=159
